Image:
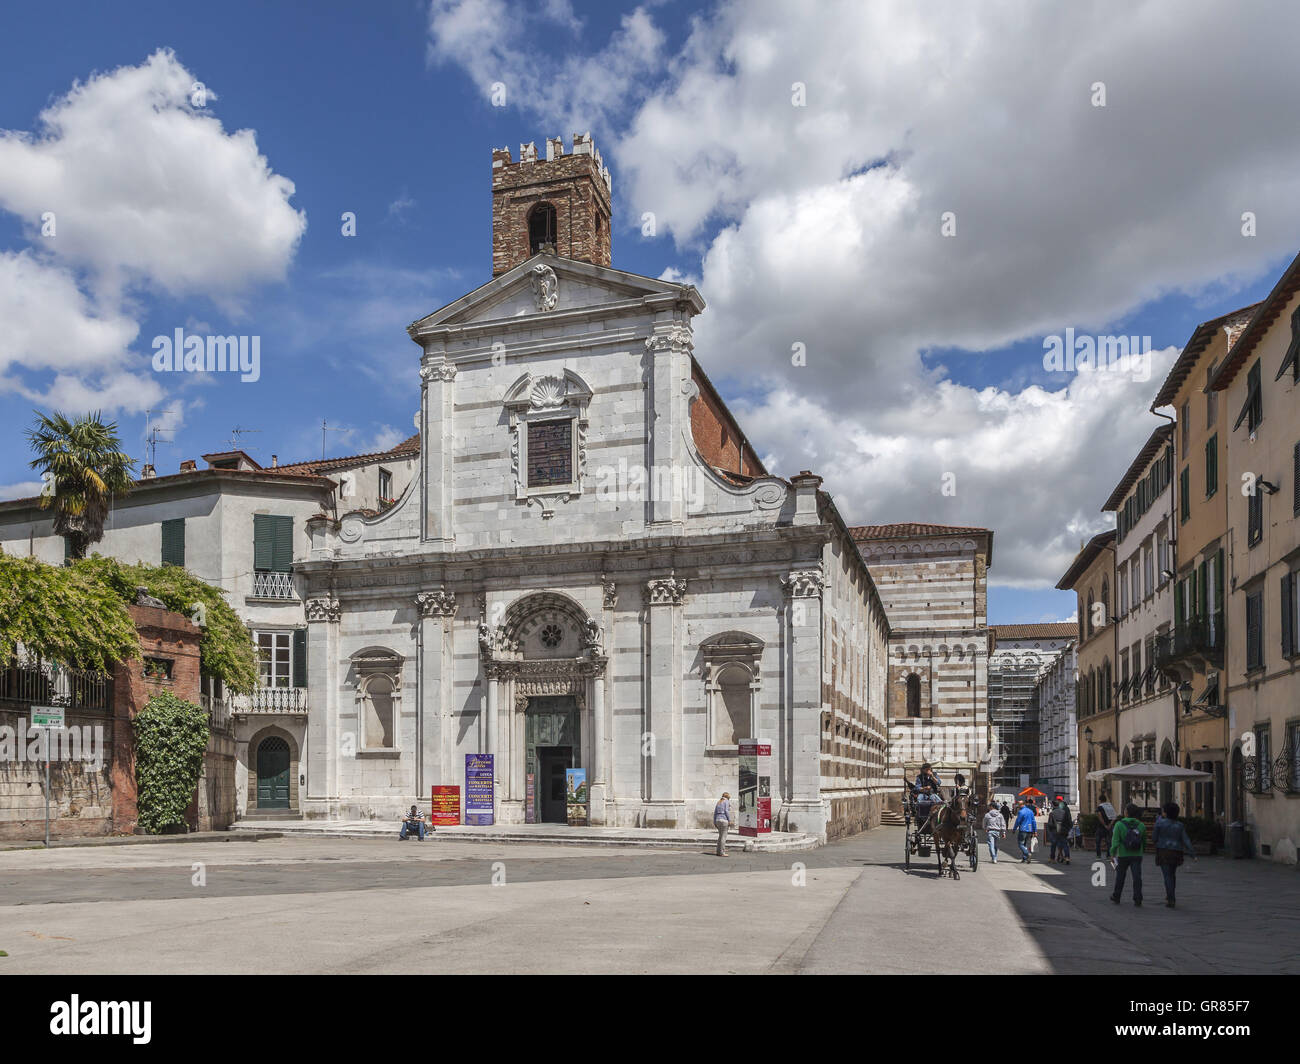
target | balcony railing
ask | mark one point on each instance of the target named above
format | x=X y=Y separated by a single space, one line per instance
x=1199 y=637
x=289 y=700
x=271 y=585
x=43 y=683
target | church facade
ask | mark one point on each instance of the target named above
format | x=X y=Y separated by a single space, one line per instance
x=591 y=567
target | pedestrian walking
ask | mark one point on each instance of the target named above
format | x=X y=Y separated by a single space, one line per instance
x=1172 y=841
x=1006 y=813
x=1026 y=829
x=1126 y=845
x=1059 y=825
x=995 y=827
x=1105 y=822
x=722 y=821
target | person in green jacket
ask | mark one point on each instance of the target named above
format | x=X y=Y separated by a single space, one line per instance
x=1126 y=843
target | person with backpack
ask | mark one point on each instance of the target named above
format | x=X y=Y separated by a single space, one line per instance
x=1105 y=822
x=1172 y=841
x=1126 y=845
x=1026 y=829
x=1059 y=823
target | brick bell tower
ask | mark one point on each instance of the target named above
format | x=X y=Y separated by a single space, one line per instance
x=561 y=202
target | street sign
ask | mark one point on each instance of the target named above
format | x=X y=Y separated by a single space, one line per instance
x=47 y=717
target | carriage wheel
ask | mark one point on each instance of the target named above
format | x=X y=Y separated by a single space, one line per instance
x=974 y=853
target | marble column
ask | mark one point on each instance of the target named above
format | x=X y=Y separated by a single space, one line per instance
x=437 y=612
x=323 y=744
x=805 y=810
x=665 y=803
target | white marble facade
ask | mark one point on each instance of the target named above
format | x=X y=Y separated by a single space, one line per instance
x=640 y=609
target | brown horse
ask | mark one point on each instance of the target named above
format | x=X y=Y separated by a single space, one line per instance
x=949 y=826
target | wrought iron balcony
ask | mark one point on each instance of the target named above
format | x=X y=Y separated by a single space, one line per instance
x=1200 y=638
x=266 y=700
x=272 y=585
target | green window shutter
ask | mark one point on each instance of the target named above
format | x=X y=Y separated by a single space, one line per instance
x=1218 y=581
x=272 y=543
x=1211 y=466
x=1184 y=492
x=1288 y=619
x=1202 y=592
x=300 y=657
x=1179 y=615
x=282 y=546
x=1295 y=481
x=173 y=542
x=263 y=534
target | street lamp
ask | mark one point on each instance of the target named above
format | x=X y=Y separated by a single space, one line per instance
x=1185 y=696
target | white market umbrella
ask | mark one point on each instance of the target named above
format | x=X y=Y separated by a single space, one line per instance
x=1149 y=770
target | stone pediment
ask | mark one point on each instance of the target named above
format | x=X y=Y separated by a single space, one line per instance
x=549 y=285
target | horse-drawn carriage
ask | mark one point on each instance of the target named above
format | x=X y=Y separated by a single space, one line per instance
x=948 y=825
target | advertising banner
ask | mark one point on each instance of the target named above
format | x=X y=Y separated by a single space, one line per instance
x=530 y=799
x=478 y=789
x=445 y=810
x=575 y=795
x=755 y=787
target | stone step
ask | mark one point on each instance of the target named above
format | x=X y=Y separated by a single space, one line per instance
x=558 y=835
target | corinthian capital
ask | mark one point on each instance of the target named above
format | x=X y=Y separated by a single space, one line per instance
x=438 y=371
x=440 y=603
x=665 y=591
x=323 y=609
x=804 y=583
x=675 y=338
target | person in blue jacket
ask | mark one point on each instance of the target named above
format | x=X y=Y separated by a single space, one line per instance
x=1026 y=828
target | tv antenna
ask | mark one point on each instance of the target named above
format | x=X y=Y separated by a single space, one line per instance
x=324 y=428
x=151 y=432
x=235 y=433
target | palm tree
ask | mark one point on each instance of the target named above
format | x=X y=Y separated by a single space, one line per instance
x=84 y=466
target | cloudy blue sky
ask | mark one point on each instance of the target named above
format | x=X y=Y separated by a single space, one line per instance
x=798 y=160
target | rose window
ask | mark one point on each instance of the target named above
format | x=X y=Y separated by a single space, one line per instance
x=551 y=636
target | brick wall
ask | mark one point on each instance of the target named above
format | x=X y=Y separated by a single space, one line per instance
x=716 y=433
x=575 y=185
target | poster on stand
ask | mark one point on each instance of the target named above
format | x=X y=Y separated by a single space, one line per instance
x=445 y=808
x=755 y=787
x=575 y=796
x=478 y=790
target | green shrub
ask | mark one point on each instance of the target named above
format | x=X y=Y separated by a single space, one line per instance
x=1088 y=823
x=170 y=738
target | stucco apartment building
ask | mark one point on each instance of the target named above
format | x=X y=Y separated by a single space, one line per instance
x=933 y=580
x=1193 y=653
x=1091 y=576
x=1142 y=601
x=238 y=526
x=1258 y=383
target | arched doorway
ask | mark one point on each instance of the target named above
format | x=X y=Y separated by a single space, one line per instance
x=273 y=773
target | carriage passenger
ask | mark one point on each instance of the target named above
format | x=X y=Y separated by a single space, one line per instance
x=926 y=792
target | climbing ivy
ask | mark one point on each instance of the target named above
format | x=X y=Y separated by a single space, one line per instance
x=226 y=649
x=170 y=737
x=76 y=615
x=64 y=615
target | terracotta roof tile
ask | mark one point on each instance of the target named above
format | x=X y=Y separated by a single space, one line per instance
x=908 y=529
x=1053 y=630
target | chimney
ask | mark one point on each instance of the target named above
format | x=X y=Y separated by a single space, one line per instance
x=189 y=465
x=147 y=472
x=275 y=461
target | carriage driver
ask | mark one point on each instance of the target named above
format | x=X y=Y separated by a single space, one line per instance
x=926 y=792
